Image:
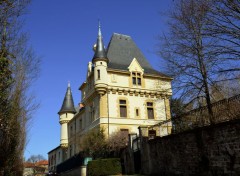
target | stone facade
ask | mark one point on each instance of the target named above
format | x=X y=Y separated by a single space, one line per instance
x=118 y=94
x=212 y=150
x=55 y=157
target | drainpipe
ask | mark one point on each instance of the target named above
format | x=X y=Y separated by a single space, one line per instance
x=108 y=111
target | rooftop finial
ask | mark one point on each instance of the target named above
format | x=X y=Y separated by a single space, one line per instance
x=99 y=28
x=100 y=52
x=68 y=104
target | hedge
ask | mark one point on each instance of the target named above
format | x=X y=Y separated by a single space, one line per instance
x=101 y=167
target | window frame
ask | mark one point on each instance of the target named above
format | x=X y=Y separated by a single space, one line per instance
x=137 y=112
x=150 y=108
x=136 y=78
x=123 y=104
x=98 y=74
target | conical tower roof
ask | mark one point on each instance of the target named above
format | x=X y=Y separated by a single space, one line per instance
x=68 y=104
x=100 y=52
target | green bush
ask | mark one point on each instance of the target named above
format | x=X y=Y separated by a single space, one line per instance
x=101 y=167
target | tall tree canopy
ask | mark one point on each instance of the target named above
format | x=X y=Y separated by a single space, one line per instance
x=192 y=51
x=225 y=15
x=18 y=68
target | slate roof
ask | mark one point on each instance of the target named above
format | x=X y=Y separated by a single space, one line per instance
x=68 y=104
x=121 y=51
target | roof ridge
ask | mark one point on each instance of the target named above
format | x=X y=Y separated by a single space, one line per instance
x=121 y=35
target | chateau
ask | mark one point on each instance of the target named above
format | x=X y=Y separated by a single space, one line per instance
x=121 y=92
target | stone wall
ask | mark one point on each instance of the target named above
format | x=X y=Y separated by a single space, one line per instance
x=79 y=171
x=212 y=150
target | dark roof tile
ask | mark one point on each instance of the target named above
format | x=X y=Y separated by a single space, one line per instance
x=121 y=51
x=68 y=104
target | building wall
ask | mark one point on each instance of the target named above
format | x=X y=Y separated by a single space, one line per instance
x=102 y=109
x=136 y=102
x=118 y=79
x=212 y=150
x=79 y=171
x=55 y=157
x=105 y=110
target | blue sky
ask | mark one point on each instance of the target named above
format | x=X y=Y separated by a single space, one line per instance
x=62 y=33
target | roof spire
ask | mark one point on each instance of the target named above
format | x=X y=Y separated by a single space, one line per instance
x=100 y=52
x=68 y=104
x=99 y=28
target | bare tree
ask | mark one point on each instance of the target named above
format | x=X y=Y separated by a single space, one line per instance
x=36 y=161
x=190 y=52
x=225 y=25
x=19 y=67
x=35 y=158
x=224 y=90
x=94 y=143
x=116 y=142
x=177 y=107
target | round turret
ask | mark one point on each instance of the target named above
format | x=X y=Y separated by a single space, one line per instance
x=100 y=62
x=66 y=113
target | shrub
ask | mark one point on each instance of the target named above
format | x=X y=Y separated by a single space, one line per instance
x=94 y=143
x=101 y=167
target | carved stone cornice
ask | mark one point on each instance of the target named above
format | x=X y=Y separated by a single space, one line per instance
x=139 y=92
x=64 y=145
x=63 y=121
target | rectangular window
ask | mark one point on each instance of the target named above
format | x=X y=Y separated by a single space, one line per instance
x=150 y=113
x=92 y=113
x=137 y=112
x=136 y=79
x=150 y=110
x=123 y=108
x=151 y=134
x=123 y=111
x=59 y=156
x=149 y=104
x=98 y=74
x=139 y=81
x=123 y=102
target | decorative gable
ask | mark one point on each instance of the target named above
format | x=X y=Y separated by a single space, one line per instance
x=135 y=66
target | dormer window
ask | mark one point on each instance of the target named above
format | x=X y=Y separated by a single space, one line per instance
x=136 y=78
